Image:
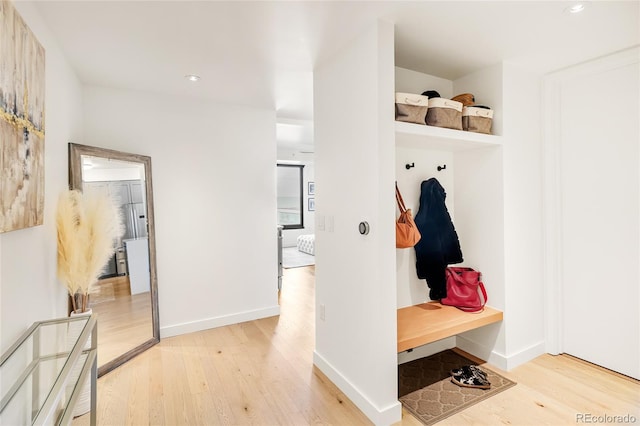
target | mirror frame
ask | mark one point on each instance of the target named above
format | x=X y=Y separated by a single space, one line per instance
x=76 y=151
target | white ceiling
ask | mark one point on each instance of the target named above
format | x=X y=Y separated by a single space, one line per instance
x=263 y=53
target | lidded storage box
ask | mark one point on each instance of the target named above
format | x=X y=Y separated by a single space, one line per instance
x=444 y=113
x=411 y=108
x=475 y=119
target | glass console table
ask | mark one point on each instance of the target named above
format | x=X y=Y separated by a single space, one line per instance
x=43 y=373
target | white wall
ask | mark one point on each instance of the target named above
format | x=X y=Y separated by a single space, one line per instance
x=214 y=181
x=480 y=219
x=482 y=232
x=29 y=290
x=356 y=340
x=409 y=81
x=410 y=289
x=521 y=337
x=523 y=230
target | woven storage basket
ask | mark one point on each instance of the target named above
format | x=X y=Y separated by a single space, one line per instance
x=444 y=113
x=411 y=108
x=477 y=120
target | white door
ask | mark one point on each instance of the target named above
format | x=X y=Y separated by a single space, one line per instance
x=599 y=190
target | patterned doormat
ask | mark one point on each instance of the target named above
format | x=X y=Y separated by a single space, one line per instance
x=426 y=391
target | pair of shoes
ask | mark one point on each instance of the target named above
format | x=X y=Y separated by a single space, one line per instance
x=469 y=370
x=470 y=376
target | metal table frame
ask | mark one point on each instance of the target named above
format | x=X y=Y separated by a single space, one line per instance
x=53 y=409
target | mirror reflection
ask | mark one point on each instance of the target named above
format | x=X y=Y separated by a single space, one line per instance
x=125 y=296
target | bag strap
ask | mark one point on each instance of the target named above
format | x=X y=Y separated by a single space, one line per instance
x=484 y=293
x=484 y=301
x=400 y=201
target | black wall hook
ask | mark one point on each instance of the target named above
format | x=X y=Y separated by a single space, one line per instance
x=440 y=168
x=408 y=166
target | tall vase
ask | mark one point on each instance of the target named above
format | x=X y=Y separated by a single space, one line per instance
x=83 y=403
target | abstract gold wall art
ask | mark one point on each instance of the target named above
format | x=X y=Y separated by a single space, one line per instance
x=22 y=89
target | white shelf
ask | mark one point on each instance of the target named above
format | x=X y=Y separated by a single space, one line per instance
x=429 y=322
x=410 y=135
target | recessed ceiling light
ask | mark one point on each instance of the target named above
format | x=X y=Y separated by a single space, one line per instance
x=576 y=8
x=192 y=77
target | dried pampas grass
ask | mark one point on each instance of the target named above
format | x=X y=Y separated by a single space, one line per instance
x=87 y=226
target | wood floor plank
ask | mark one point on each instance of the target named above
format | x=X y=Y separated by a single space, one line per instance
x=553 y=390
x=138 y=402
x=156 y=387
x=196 y=377
x=261 y=373
x=214 y=402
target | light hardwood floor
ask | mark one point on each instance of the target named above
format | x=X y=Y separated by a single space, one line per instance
x=261 y=373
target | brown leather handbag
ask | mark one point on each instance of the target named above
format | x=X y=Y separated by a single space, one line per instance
x=407 y=234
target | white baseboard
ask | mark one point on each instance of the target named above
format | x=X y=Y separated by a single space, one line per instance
x=207 y=323
x=502 y=361
x=525 y=355
x=385 y=416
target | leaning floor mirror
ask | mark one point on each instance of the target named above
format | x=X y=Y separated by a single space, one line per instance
x=125 y=298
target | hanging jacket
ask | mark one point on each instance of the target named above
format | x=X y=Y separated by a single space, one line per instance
x=439 y=245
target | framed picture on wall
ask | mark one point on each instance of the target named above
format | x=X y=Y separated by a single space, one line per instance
x=21 y=123
x=312 y=204
x=311 y=188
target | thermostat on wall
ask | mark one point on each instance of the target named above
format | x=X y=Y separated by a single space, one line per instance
x=363 y=228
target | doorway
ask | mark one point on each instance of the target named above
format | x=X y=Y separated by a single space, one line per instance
x=593 y=251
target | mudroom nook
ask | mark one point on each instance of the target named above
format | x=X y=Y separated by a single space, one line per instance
x=484 y=176
x=457 y=159
x=467 y=166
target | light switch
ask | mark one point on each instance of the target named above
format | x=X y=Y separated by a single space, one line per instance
x=320 y=222
x=330 y=224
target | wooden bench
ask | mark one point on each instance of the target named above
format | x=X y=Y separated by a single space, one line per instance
x=429 y=322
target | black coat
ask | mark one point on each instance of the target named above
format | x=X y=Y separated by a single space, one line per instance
x=439 y=245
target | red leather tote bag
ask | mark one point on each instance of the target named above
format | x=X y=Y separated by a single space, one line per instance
x=465 y=289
